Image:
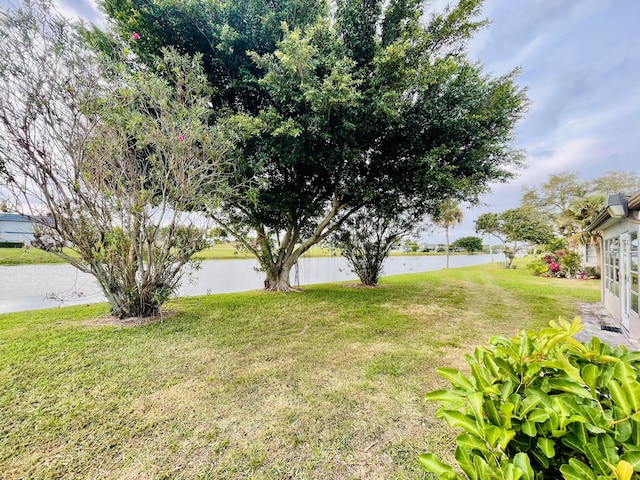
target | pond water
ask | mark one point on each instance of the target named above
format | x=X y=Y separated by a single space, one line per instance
x=32 y=287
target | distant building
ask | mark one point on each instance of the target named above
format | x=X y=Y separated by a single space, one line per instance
x=15 y=228
x=618 y=227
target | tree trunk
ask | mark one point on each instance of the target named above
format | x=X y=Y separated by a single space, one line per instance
x=446 y=234
x=490 y=246
x=277 y=279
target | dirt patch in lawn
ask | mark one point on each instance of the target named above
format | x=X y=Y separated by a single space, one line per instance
x=111 y=321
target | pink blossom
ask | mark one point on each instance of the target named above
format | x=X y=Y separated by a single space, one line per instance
x=135 y=36
x=180 y=137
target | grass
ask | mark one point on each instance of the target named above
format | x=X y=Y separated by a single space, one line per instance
x=227 y=251
x=223 y=251
x=324 y=384
x=30 y=256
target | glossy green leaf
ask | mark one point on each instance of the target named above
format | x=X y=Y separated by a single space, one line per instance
x=597 y=459
x=576 y=470
x=475 y=401
x=632 y=390
x=547 y=446
x=456 y=378
x=572 y=442
x=529 y=428
x=569 y=387
x=540 y=458
x=492 y=435
x=492 y=412
x=443 y=396
x=624 y=372
x=528 y=404
x=471 y=442
x=522 y=462
x=538 y=416
x=619 y=397
x=506 y=435
x=465 y=461
x=607 y=446
x=623 y=431
x=458 y=419
x=506 y=411
x=431 y=464
x=510 y=472
x=589 y=374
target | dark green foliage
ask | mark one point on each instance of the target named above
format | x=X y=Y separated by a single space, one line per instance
x=468 y=244
x=333 y=111
x=542 y=405
x=514 y=226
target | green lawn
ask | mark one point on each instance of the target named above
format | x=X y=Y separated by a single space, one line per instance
x=323 y=384
x=20 y=256
x=224 y=251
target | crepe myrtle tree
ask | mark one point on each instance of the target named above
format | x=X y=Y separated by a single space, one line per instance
x=330 y=107
x=105 y=157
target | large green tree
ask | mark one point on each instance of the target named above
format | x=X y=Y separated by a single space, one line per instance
x=572 y=204
x=469 y=244
x=512 y=227
x=333 y=109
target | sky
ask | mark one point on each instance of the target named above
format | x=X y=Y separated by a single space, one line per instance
x=580 y=63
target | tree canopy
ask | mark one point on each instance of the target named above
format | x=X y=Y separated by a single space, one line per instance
x=331 y=110
x=469 y=244
x=513 y=226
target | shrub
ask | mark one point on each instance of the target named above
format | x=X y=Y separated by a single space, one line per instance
x=571 y=263
x=592 y=272
x=543 y=406
x=538 y=267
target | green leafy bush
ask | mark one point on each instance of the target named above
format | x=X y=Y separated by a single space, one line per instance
x=538 y=267
x=571 y=263
x=543 y=406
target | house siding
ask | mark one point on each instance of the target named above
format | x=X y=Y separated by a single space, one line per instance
x=15 y=228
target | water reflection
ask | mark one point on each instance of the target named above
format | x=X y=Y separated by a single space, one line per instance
x=44 y=286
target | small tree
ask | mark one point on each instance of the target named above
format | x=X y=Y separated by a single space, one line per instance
x=469 y=244
x=367 y=238
x=104 y=157
x=447 y=215
x=513 y=226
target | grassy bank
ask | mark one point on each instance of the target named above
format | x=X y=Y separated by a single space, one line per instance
x=224 y=251
x=325 y=384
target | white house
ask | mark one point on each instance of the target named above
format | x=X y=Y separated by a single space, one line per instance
x=618 y=228
x=15 y=228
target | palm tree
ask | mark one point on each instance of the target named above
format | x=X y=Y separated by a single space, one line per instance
x=447 y=216
x=581 y=214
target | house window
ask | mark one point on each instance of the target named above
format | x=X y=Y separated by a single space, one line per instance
x=590 y=254
x=612 y=265
x=633 y=250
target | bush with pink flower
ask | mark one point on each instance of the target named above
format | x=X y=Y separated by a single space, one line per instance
x=561 y=263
